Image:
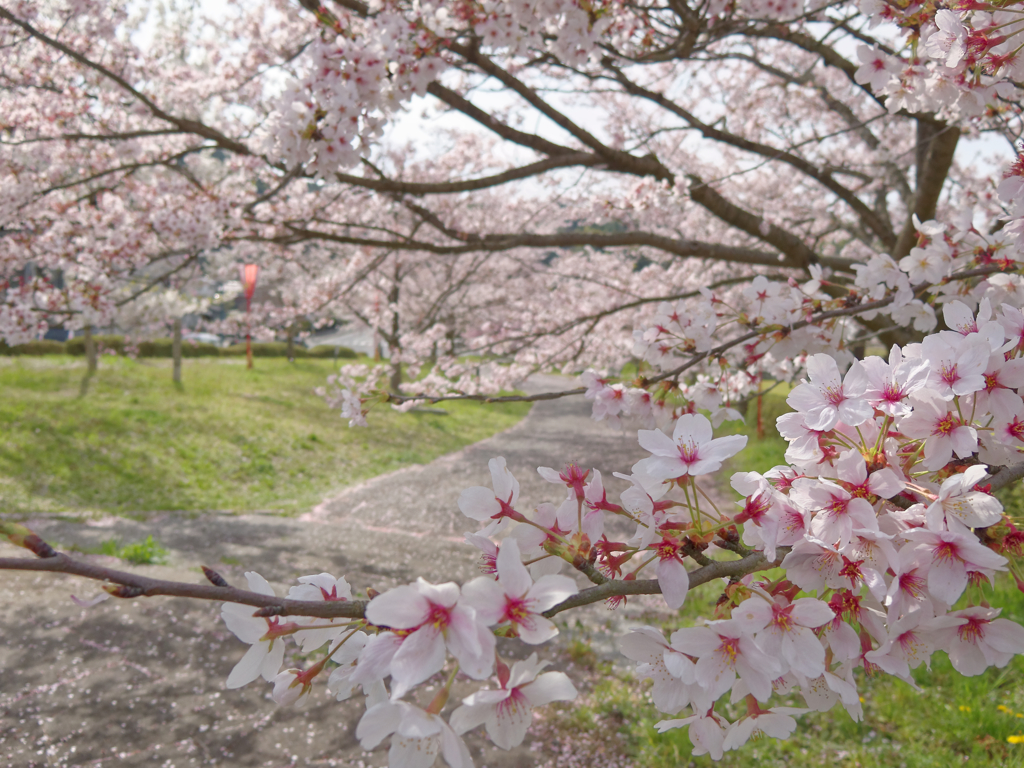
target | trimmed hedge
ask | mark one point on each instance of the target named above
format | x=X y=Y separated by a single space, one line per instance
x=162 y=348
x=280 y=349
x=76 y=346
x=325 y=350
x=263 y=349
x=44 y=347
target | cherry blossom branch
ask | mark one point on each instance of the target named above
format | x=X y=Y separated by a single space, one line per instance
x=506 y=242
x=466 y=107
x=394 y=398
x=795 y=251
x=183 y=124
x=622 y=161
x=583 y=319
x=874 y=222
x=154 y=282
x=580 y=159
x=715 y=570
x=124 y=136
x=813 y=320
x=132 y=585
x=143 y=586
x=1007 y=475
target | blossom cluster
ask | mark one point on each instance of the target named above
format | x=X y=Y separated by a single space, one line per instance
x=769 y=329
x=884 y=517
x=882 y=522
x=405 y=639
x=962 y=61
x=365 y=68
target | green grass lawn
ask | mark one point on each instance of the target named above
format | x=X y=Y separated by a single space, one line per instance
x=232 y=439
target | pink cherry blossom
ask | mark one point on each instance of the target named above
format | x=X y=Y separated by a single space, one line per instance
x=1009 y=431
x=949 y=42
x=571 y=476
x=876 y=68
x=515 y=599
x=824 y=399
x=435 y=619
x=927 y=265
x=776 y=722
x=956 y=366
x=479 y=503
x=804 y=443
x=952 y=556
x=761 y=511
x=707 y=732
x=507 y=711
x=886 y=385
x=912 y=640
x=725 y=649
x=813 y=565
x=266 y=636
x=1002 y=377
x=958 y=508
x=981 y=640
x=783 y=630
x=908 y=590
x=323 y=587
x=417 y=736
x=690 y=451
x=340 y=683
x=961 y=319
x=943 y=430
x=672 y=672
x=672 y=575
x=293 y=686
x=822 y=693
x=852 y=472
x=836 y=511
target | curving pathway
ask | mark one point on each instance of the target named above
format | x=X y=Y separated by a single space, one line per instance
x=141 y=682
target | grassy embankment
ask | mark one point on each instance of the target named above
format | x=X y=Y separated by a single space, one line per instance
x=952 y=720
x=233 y=439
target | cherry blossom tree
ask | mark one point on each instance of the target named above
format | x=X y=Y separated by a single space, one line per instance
x=720 y=192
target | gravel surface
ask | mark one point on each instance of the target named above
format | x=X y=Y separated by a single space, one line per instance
x=141 y=682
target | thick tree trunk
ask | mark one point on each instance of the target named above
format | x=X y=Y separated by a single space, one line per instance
x=91 y=363
x=291 y=343
x=936 y=145
x=176 y=353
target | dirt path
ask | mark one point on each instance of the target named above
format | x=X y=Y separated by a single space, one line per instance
x=141 y=682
